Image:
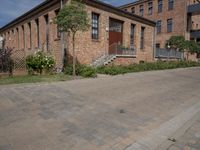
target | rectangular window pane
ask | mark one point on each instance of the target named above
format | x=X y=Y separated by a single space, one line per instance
x=133 y=10
x=142 y=38
x=159 y=26
x=58 y=29
x=141 y=10
x=95 y=26
x=160 y=4
x=46 y=17
x=169 y=25
x=30 y=36
x=170 y=4
x=132 y=41
x=38 y=32
x=150 y=7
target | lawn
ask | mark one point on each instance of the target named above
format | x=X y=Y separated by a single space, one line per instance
x=34 y=79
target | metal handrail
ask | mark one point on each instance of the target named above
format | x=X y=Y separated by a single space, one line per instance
x=117 y=49
x=168 y=53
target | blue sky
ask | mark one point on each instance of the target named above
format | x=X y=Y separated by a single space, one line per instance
x=10 y=9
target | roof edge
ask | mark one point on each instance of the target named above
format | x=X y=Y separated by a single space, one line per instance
x=116 y=9
x=133 y=3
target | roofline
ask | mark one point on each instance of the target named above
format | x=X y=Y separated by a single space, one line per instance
x=23 y=17
x=120 y=12
x=133 y=3
x=93 y=3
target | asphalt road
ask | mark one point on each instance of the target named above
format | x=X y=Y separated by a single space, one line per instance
x=125 y=112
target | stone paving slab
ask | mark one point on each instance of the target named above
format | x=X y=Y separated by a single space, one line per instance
x=94 y=114
x=190 y=140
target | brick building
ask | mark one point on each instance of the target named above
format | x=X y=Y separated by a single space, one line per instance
x=110 y=26
x=173 y=17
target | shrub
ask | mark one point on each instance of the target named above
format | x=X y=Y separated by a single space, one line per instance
x=160 y=65
x=81 y=70
x=39 y=62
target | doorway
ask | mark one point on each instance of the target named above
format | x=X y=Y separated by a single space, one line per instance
x=115 y=35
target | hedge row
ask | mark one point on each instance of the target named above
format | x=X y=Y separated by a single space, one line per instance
x=160 y=65
x=87 y=71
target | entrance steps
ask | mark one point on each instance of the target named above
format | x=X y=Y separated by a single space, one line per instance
x=104 y=60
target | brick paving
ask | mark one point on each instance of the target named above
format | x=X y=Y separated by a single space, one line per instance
x=190 y=140
x=107 y=113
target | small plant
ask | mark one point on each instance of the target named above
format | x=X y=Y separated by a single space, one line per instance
x=81 y=70
x=39 y=63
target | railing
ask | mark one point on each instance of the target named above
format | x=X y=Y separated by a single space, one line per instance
x=195 y=33
x=194 y=8
x=116 y=49
x=168 y=53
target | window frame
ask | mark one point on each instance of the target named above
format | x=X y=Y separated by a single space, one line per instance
x=170 y=5
x=169 y=25
x=159 y=26
x=133 y=10
x=141 y=10
x=132 y=35
x=160 y=6
x=58 y=33
x=95 y=26
x=142 y=38
x=150 y=8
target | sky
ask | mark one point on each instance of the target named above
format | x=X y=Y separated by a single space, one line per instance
x=11 y=9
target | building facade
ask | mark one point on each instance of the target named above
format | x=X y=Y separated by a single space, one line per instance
x=110 y=27
x=173 y=17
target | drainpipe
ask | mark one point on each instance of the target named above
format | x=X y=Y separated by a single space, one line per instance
x=154 y=44
x=62 y=44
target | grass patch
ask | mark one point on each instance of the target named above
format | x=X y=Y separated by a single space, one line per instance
x=160 y=65
x=34 y=79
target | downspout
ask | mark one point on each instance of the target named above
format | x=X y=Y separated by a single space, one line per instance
x=154 y=44
x=62 y=44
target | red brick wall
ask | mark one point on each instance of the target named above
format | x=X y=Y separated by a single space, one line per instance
x=87 y=50
x=178 y=14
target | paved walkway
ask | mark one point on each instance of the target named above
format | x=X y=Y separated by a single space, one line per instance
x=109 y=113
x=190 y=139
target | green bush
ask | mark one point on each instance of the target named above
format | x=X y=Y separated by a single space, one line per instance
x=39 y=62
x=81 y=70
x=160 y=65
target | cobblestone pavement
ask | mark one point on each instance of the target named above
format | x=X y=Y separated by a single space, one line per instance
x=107 y=113
x=190 y=140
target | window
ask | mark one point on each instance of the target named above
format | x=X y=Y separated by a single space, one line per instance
x=158 y=26
x=58 y=29
x=170 y=4
x=17 y=29
x=160 y=4
x=133 y=10
x=30 y=36
x=38 y=32
x=150 y=8
x=157 y=45
x=142 y=38
x=132 y=41
x=46 y=17
x=169 y=25
x=95 y=26
x=23 y=33
x=141 y=10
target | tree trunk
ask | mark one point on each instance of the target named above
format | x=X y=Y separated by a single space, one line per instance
x=74 y=55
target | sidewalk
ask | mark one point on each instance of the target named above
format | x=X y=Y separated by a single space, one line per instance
x=190 y=140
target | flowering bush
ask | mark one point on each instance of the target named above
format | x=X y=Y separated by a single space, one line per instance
x=39 y=62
